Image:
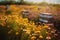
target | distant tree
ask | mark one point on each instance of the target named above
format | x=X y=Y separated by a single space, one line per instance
x=21 y=1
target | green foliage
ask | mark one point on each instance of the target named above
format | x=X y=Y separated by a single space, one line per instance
x=24 y=36
x=43 y=32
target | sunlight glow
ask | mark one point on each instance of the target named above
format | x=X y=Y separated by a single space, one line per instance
x=48 y=1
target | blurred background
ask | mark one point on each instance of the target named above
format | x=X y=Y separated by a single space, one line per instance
x=29 y=19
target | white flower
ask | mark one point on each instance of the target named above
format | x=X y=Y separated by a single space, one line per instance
x=48 y=37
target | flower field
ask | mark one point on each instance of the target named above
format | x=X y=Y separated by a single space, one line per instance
x=15 y=27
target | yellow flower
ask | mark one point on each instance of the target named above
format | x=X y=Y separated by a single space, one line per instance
x=37 y=32
x=37 y=28
x=17 y=33
x=28 y=28
x=46 y=32
x=45 y=27
x=25 y=20
x=40 y=36
x=25 y=24
x=28 y=31
x=33 y=37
